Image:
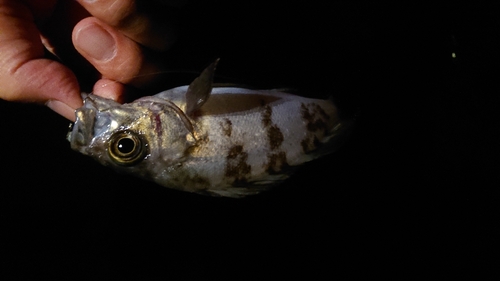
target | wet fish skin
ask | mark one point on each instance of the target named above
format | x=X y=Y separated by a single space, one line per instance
x=225 y=141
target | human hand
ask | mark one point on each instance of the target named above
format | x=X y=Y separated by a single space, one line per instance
x=113 y=36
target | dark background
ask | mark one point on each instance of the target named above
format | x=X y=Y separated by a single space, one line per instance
x=415 y=190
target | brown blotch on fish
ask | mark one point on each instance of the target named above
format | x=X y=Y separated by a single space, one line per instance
x=322 y=112
x=194 y=180
x=200 y=181
x=277 y=163
x=197 y=181
x=310 y=144
x=315 y=117
x=266 y=116
x=274 y=134
x=236 y=165
x=227 y=127
x=275 y=137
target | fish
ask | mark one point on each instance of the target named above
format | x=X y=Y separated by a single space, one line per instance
x=213 y=140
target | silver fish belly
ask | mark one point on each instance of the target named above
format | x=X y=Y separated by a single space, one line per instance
x=222 y=141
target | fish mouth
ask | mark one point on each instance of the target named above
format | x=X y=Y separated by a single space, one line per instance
x=92 y=119
x=80 y=133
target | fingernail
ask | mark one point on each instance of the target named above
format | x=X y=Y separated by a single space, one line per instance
x=61 y=109
x=96 y=42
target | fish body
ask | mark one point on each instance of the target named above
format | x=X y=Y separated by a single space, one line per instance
x=230 y=142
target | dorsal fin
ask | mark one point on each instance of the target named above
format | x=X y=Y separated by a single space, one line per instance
x=199 y=90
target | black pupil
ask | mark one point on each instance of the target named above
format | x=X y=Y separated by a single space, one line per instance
x=126 y=145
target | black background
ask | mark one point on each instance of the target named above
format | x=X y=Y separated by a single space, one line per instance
x=414 y=192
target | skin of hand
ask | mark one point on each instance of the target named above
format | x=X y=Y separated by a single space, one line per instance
x=113 y=37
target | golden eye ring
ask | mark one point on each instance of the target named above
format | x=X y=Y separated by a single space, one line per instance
x=126 y=148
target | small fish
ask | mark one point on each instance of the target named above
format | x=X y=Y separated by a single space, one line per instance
x=220 y=141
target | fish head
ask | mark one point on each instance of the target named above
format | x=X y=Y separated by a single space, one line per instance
x=137 y=138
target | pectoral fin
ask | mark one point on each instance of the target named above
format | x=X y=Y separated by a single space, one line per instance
x=199 y=90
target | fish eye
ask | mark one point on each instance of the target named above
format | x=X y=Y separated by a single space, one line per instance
x=126 y=148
